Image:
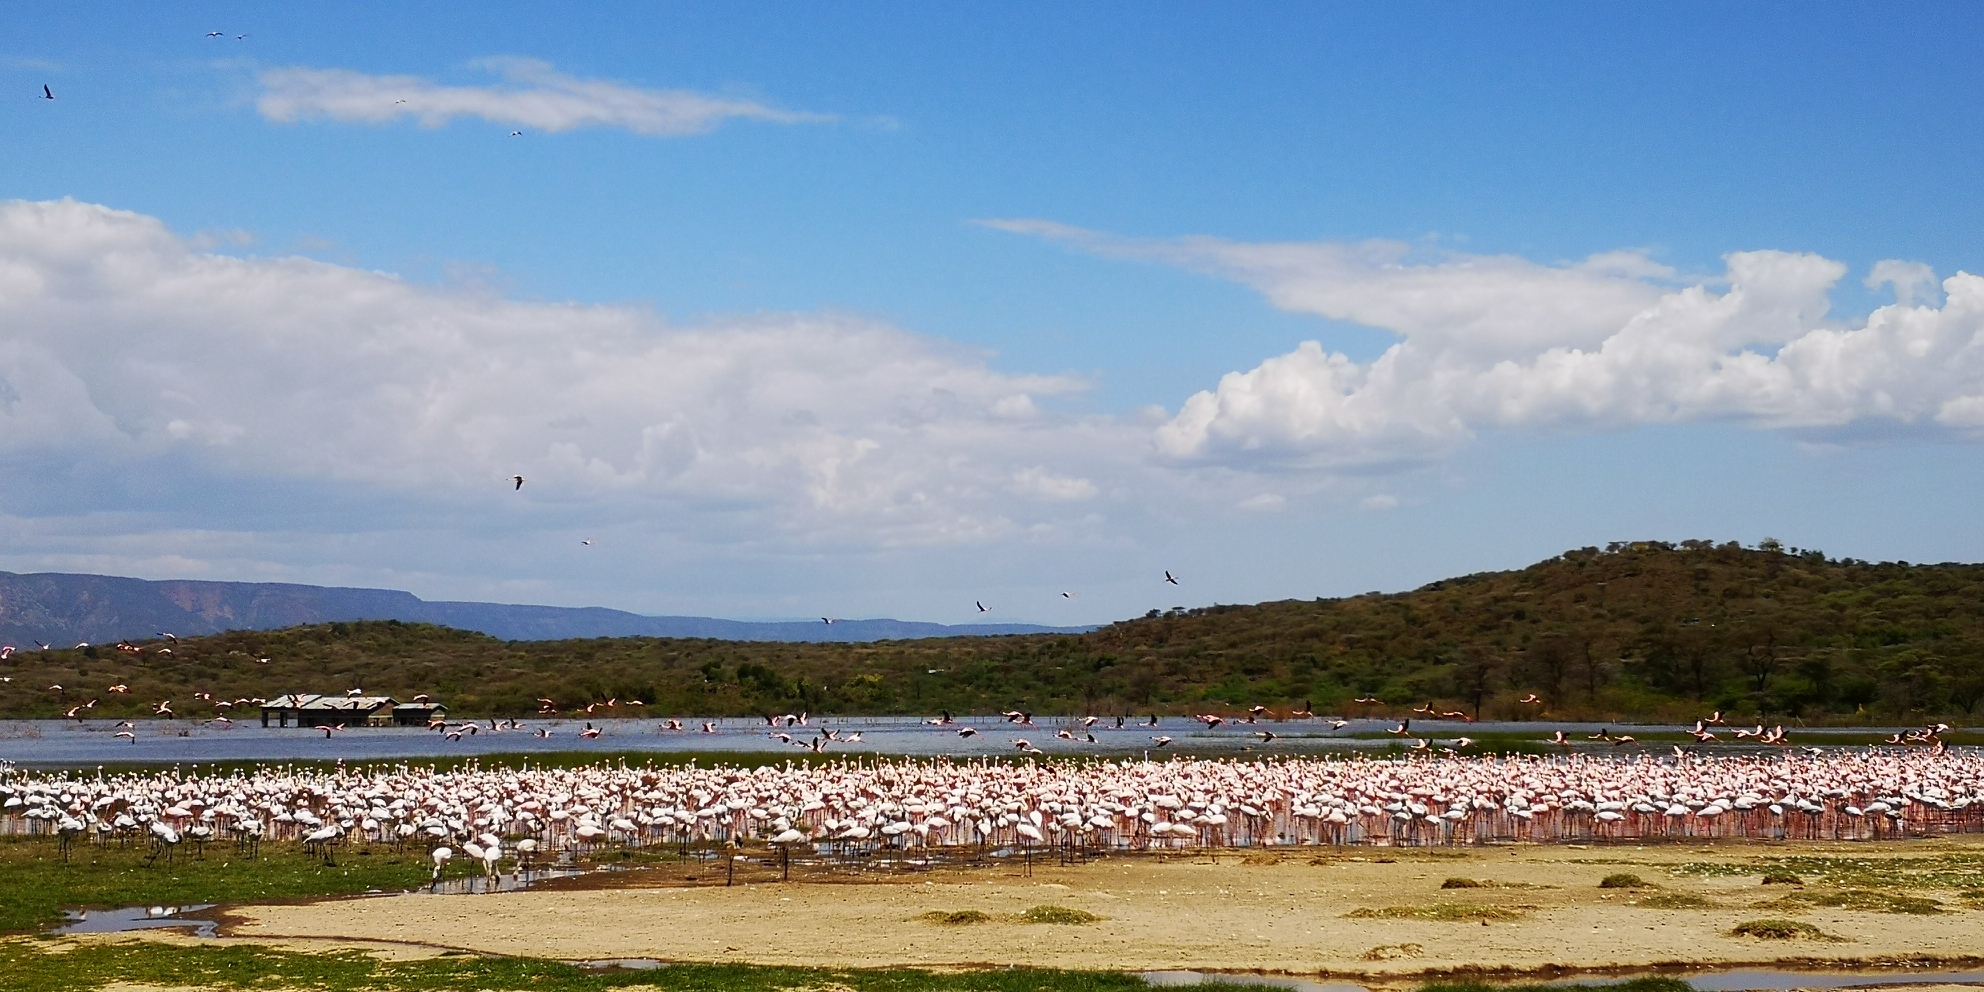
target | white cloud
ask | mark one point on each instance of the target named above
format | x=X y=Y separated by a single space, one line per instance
x=1494 y=342
x=1382 y=501
x=120 y=341
x=1263 y=502
x=533 y=95
x=1038 y=482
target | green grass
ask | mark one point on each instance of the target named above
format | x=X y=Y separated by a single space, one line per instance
x=1778 y=930
x=1058 y=914
x=30 y=968
x=1445 y=912
x=40 y=885
x=1782 y=878
x=1864 y=900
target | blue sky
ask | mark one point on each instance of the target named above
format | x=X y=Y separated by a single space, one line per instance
x=912 y=307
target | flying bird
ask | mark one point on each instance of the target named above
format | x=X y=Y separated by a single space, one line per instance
x=46 y=93
x=516 y=134
x=519 y=480
x=216 y=34
x=981 y=606
x=1067 y=595
x=1168 y=578
x=586 y=543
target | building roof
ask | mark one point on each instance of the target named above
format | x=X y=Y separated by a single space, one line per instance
x=339 y=704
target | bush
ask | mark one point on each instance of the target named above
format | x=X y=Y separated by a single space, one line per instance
x=1623 y=880
x=1782 y=878
x=1461 y=883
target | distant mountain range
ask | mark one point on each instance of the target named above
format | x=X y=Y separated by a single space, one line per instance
x=63 y=609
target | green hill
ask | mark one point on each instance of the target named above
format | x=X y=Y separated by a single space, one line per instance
x=1646 y=630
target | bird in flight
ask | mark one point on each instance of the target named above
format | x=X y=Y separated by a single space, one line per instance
x=1168 y=578
x=519 y=480
x=981 y=606
x=216 y=34
x=46 y=93
x=829 y=620
x=1067 y=595
x=586 y=543
x=516 y=134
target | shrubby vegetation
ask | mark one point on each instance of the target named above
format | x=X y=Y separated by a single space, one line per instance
x=1645 y=630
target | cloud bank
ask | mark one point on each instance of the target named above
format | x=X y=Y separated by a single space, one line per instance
x=121 y=341
x=533 y=95
x=1615 y=340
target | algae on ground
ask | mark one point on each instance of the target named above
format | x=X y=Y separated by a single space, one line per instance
x=1865 y=900
x=1446 y=912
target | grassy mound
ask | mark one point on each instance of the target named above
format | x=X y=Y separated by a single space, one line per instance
x=959 y=918
x=1059 y=914
x=1462 y=883
x=1777 y=930
x=1782 y=878
x=1623 y=880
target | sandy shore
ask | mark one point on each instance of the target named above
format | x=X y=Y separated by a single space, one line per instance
x=1287 y=917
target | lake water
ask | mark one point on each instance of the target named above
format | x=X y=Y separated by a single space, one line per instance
x=66 y=743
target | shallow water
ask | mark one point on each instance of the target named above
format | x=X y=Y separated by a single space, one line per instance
x=68 y=743
x=135 y=918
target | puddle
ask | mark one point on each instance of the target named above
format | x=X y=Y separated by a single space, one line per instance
x=617 y=964
x=512 y=882
x=135 y=918
x=1783 y=981
x=1170 y=978
x=1738 y=980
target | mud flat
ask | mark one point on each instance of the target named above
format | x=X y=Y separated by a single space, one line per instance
x=1368 y=912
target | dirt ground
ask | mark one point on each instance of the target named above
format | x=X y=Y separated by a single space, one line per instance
x=1285 y=914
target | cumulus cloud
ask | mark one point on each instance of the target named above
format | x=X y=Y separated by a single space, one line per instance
x=123 y=340
x=532 y=94
x=1498 y=342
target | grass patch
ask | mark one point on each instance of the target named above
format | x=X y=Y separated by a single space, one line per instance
x=1446 y=912
x=40 y=885
x=1782 y=878
x=959 y=918
x=1778 y=930
x=1864 y=900
x=1462 y=883
x=1673 y=900
x=1623 y=880
x=89 y=966
x=1059 y=914
x=1954 y=870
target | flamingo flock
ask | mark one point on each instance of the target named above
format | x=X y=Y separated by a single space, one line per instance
x=856 y=806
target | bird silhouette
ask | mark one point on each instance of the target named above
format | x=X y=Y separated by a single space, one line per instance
x=981 y=606
x=519 y=480
x=1168 y=578
x=46 y=93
